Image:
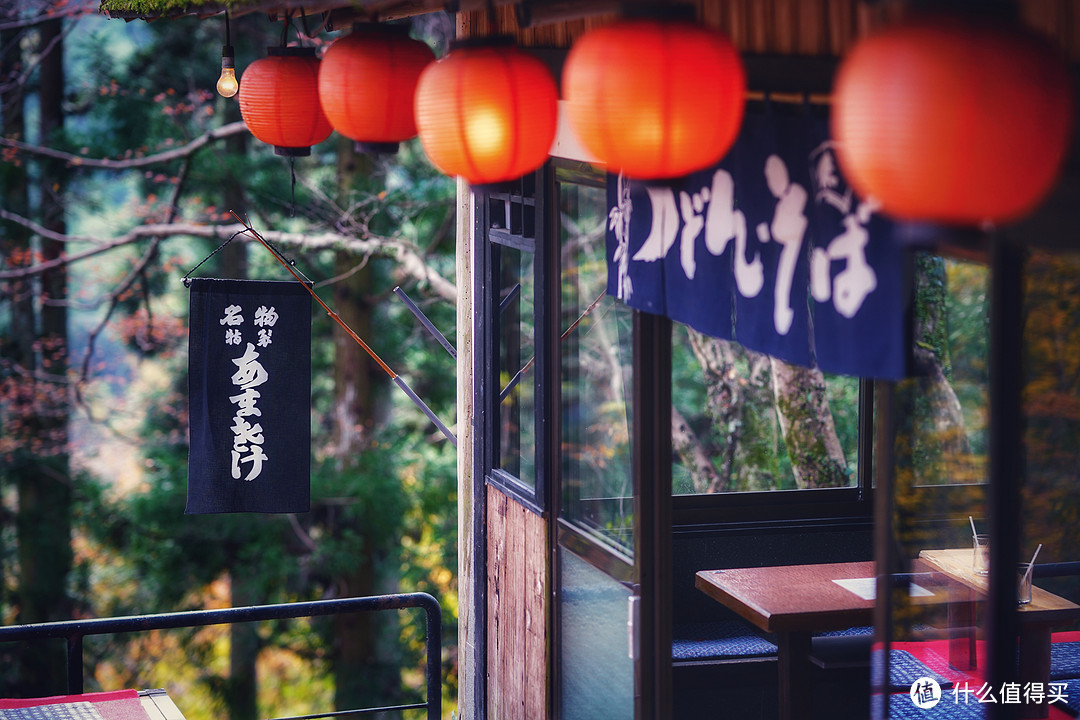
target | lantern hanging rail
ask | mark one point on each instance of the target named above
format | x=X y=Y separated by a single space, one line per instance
x=425 y=321
x=290 y=266
x=790 y=98
x=573 y=326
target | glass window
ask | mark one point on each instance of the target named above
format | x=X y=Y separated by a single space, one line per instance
x=939 y=416
x=511 y=235
x=743 y=421
x=595 y=670
x=517 y=356
x=947 y=402
x=596 y=364
x=1050 y=494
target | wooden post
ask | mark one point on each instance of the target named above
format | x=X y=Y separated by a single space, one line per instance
x=471 y=576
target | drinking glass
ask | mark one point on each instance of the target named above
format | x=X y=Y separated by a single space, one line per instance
x=981 y=564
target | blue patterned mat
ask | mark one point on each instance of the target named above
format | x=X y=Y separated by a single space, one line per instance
x=1072 y=702
x=1064 y=660
x=905 y=669
x=901 y=707
x=860 y=630
x=715 y=640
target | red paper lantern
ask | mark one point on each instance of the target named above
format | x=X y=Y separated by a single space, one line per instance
x=953 y=119
x=486 y=112
x=655 y=98
x=279 y=101
x=367 y=82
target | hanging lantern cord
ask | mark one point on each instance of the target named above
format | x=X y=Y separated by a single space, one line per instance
x=285 y=28
x=303 y=22
x=228 y=34
x=290 y=266
x=215 y=251
x=292 y=186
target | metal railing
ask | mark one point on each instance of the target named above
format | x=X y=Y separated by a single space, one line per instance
x=75 y=630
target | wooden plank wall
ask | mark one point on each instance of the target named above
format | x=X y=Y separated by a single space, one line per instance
x=799 y=27
x=517 y=611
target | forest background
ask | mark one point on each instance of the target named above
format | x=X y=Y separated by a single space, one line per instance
x=120 y=166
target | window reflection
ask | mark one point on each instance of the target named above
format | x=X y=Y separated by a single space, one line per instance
x=948 y=395
x=517 y=410
x=596 y=362
x=1050 y=492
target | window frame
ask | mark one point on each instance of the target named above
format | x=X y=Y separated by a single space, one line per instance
x=785 y=507
x=488 y=246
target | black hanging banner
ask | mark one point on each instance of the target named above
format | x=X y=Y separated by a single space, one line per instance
x=249 y=397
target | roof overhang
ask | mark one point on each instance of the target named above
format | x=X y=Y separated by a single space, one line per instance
x=366 y=9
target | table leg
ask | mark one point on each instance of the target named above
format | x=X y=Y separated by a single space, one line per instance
x=961 y=628
x=793 y=659
x=1034 y=665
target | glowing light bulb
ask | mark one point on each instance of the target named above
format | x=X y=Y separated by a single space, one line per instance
x=227 y=85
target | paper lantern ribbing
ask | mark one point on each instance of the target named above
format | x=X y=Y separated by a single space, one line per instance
x=367 y=83
x=486 y=113
x=655 y=98
x=952 y=119
x=279 y=101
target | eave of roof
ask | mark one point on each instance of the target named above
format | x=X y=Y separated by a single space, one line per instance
x=155 y=9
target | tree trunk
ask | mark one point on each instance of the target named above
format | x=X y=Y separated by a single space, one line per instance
x=43 y=524
x=758 y=455
x=17 y=346
x=723 y=405
x=685 y=443
x=739 y=404
x=941 y=438
x=817 y=459
x=364 y=671
x=241 y=694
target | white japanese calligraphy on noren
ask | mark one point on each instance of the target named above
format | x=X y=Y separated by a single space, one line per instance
x=249 y=372
x=721 y=223
x=248 y=437
x=232 y=316
x=619 y=223
x=245 y=403
x=849 y=289
x=787 y=228
x=231 y=319
x=724 y=223
x=266 y=317
x=712 y=210
x=665 y=225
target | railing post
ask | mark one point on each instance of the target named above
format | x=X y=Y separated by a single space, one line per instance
x=74 y=664
x=433 y=617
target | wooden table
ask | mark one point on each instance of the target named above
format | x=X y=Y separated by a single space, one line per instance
x=792 y=601
x=1036 y=619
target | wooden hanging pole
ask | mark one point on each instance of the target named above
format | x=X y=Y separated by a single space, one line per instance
x=248 y=229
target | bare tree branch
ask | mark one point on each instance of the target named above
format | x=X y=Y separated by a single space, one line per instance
x=136 y=272
x=9 y=12
x=179 y=153
x=21 y=80
x=412 y=262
